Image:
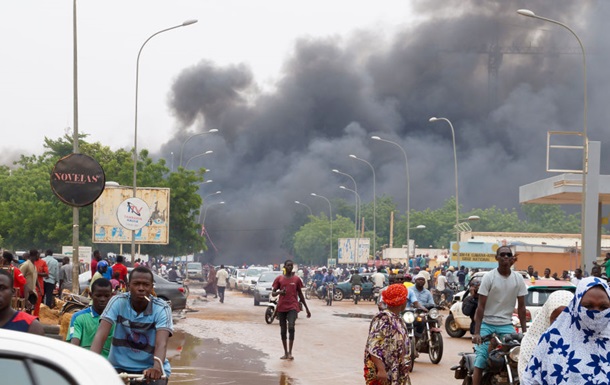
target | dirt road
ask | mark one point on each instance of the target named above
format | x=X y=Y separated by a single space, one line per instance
x=232 y=344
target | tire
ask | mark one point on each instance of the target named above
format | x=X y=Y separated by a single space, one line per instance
x=339 y=295
x=329 y=299
x=73 y=308
x=452 y=329
x=269 y=316
x=467 y=380
x=355 y=300
x=308 y=293
x=436 y=351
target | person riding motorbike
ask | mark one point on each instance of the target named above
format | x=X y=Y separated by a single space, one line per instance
x=471 y=301
x=329 y=278
x=318 y=277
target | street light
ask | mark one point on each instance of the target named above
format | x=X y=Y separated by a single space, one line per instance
x=330 y=217
x=374 y=204
x=303 y=204
x=135 y=130
x=357 y=240
x=457 y=204
x=213 y=130
x=355 y=191
x=463 y=226
x=418 y=227
x=209 y=195
x=206 y=210
x=197 y=156
x=408 y=190
x=528 y=13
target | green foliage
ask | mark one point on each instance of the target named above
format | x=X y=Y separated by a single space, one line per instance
x=32 y=216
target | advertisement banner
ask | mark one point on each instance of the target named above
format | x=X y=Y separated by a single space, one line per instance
x=107 y=227
x=347 y=250
x=474 y=254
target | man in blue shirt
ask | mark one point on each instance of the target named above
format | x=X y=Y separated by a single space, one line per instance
x=424 y=297
x=143 y=325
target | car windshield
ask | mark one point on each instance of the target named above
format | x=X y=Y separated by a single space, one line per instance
x=193 y=266
x=253 y=272
x=268 y=277
x=538 y=296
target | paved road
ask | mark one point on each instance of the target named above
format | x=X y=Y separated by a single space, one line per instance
x=234 y=345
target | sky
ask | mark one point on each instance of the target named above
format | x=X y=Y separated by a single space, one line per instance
x=294 y=88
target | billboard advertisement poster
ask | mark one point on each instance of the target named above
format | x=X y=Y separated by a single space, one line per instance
x=84 y=253
x=347 y=253
x=108 y=229
x=133 y=213
x=474 y=254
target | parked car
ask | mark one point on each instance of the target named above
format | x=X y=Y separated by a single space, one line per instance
x=36 y=360
x=172 y=292
x=236 y=279
x=457 y=324
x=252 y=274
x=343 y=290
x=194 y=270
x=263 y=288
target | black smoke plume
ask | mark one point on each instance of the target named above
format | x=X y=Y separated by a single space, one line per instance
x=502 y=79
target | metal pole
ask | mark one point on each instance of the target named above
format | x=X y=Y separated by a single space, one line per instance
x=457 y=204
x=75 y=149
x=330 y=212
x=356 y=219
x=303 y=204
x=374 y=204
x=135 y=130
x=583 y=221
x=356 y=192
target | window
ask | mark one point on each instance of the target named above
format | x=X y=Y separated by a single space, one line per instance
x=48 y=375
x=14 y=371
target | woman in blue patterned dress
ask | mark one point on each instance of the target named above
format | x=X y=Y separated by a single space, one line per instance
x=575 y=348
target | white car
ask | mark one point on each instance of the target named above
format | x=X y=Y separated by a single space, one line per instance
x=32 y=359
x=457 y=324
x=252 y=275
x=236 y=279
x=262 y=289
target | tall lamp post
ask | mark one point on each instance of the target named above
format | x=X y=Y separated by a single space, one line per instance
x=209 y=195
x=330 y=217
x=374 y=203
x=357 y=238
x=303 y=204
x=528 y=13
x=206 y=210
x=135 y=130
x=197 y=156
x=355 y=192
x=457 y=204
x=213 y=130
x=408 y=190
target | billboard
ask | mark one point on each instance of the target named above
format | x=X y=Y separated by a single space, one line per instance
x=106 y=225
x=347 y=250
x=474 y=254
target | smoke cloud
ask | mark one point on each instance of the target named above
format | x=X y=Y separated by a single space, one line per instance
x=502 y=79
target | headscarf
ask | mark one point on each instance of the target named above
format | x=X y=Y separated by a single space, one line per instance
x=395 y=295
x=540 y=324
x=574 y=350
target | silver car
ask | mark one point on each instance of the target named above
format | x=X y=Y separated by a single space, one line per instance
x=263 y=288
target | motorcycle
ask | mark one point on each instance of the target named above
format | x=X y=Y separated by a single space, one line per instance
x=424 y=333
x=502 y=362
x=357 y=289
x=271 y=311
x=376 y=291
x=330 y=293
x=73 y=303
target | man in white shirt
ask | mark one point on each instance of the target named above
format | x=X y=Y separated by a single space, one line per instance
x=378 y=279
x=577 y=277
x=222 y=276
x=441 y=286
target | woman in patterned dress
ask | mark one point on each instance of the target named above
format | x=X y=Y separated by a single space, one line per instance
x=574 y=349
x=385 y=354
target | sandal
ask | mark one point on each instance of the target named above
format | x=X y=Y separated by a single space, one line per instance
x=285 y=357
x=290 y=357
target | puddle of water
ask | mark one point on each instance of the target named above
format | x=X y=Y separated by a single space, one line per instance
x=197 y=361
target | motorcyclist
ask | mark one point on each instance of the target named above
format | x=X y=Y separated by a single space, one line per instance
x=424 y=297
x=355 y=279
x=471 y=301
x=329 y=278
